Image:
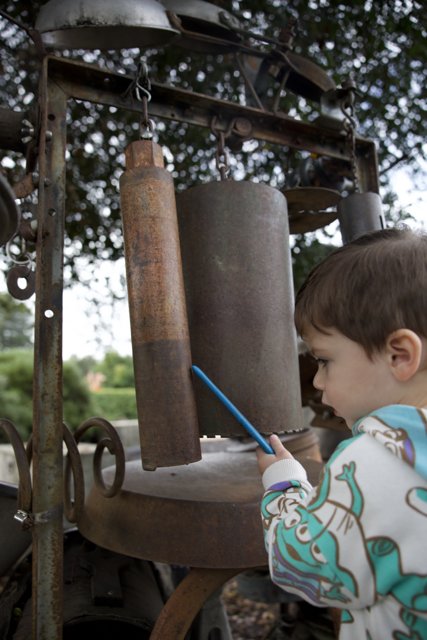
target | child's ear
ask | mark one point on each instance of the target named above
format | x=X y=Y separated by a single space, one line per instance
x=404 y=349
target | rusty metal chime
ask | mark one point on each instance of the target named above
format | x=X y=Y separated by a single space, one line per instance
x=159 y=328
x=237 y=272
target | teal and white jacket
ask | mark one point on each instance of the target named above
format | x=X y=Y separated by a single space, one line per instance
x=358 y=541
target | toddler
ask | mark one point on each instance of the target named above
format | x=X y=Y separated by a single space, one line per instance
x=358 y=541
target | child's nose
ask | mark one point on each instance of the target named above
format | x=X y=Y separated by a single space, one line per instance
x=318 y=380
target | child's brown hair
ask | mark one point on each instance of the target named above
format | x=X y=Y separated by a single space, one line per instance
x=368 y=288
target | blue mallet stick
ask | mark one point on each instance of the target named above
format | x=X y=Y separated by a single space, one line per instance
x=234 y=410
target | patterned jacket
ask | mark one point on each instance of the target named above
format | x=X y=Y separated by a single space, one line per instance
x=358 y=541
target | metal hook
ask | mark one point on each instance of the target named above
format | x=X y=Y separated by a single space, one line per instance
x=24 y=258
x=221 y=157
x=140 y=84
x=346 y=105
x=147 y=128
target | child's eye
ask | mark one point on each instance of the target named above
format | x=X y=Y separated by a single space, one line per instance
x=321 y=362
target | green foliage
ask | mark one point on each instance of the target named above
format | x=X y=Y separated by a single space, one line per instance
x=84 y=365
x=117 y=369
x=111 y=402
x=115 y=403
x=76 y=396
x=16 y=387
x=16 y=323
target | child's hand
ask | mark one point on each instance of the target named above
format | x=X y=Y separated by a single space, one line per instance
x=267 y=459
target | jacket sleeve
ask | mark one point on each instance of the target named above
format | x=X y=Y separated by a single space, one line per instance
x=313 y=537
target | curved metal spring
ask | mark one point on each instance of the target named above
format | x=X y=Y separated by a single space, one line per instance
x=73 y=504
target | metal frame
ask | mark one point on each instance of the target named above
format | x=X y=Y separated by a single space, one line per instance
x=62 y=80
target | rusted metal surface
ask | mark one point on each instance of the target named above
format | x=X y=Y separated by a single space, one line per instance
x=25 y=489
x=87 y=82
x=239 y=291
x=170 y=514
x=17 y=273
x=73 y=503
x=47 y=388
x=306 y=208
x=159 y=327
x=110 y=441
x=26 y=186
x=186 y=601
x=201 y=515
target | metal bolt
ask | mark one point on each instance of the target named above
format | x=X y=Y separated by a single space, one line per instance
x=242 y=127
x=27 y=131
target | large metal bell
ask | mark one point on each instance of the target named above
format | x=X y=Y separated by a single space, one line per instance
x=239 y=293
x=104 y=24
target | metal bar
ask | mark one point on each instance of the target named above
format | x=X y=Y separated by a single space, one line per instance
x=86 y=82
x=47 y=390
x=186 y=601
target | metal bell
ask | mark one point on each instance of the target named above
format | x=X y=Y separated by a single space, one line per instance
x=104 y=24
x=239 y=293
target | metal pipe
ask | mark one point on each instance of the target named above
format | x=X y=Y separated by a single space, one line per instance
x=166 y=406
x=47 y=391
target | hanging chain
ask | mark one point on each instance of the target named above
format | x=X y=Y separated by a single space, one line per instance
x=140 y=87
x=347 y=108
x=221 y=156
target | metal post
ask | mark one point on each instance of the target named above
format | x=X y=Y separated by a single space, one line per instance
x=47 y=399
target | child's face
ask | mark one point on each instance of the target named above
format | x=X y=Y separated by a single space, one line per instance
x=351 y=383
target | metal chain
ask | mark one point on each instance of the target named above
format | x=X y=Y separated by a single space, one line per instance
x=221 y=156
x=347 y=108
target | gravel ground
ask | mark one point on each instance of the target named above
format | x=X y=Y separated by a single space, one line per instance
x=248 y=620
x=253 y=620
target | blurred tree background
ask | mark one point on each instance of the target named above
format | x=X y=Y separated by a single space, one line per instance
x=90 y=387
x=380 y=45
